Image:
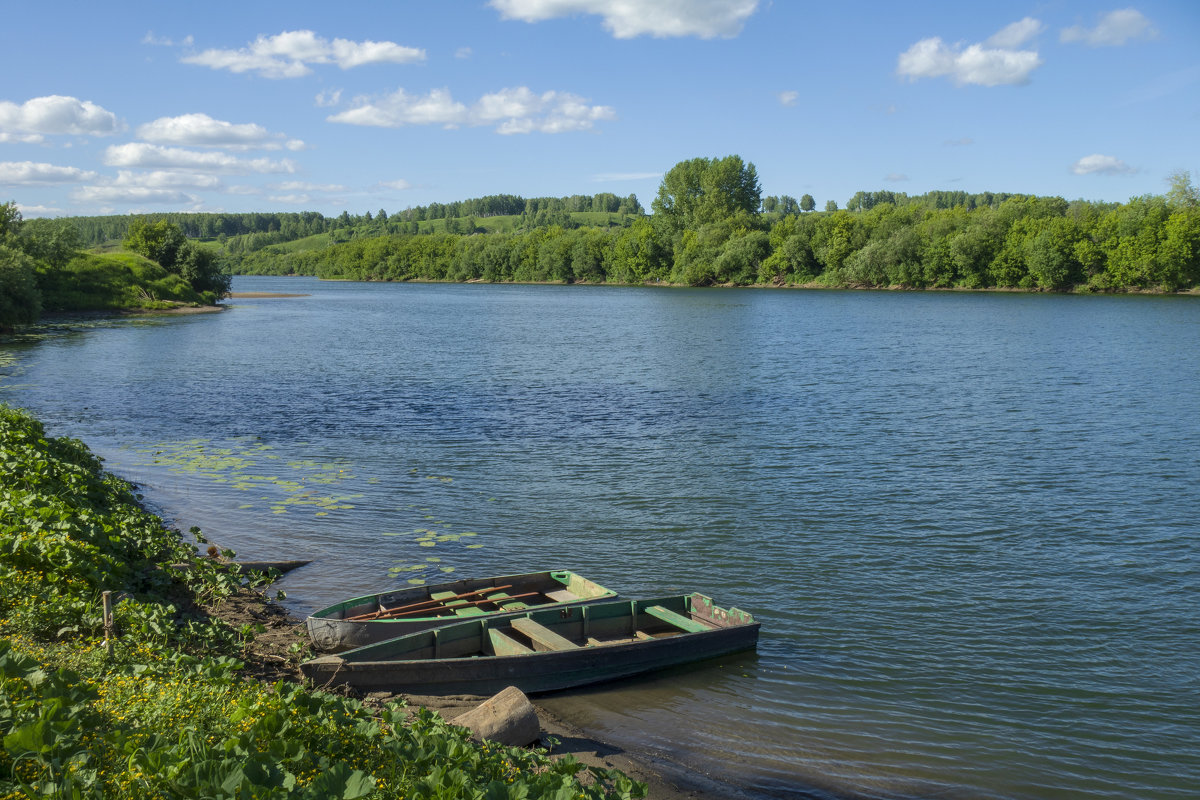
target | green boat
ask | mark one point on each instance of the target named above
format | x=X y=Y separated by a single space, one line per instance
x=374 y=618
x=545 y=650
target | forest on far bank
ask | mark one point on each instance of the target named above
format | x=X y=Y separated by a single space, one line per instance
x=710 y=226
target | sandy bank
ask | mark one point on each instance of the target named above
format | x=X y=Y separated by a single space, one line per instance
x=261 y=295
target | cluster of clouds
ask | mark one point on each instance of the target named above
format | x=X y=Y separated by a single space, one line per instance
x=171 y=159
x=31 y=121
x=1000 y=60
x=515 y=110
x=290 y=54
x=628 y=19
x=174 y=157
x=1003 y=59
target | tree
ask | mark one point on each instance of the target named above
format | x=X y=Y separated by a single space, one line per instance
x=164 y=242
x=807 y=203
x=1183 y=193
x=158 y=241
x=198 y=266
x=10 y=220
x=831 y=205
x=707 y=190
x=20 y=301
x=53 y=241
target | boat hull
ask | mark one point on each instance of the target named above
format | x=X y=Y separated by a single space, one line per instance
x=372 y=669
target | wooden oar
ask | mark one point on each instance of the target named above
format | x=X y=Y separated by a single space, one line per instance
x=464 y=605
x=384 y=612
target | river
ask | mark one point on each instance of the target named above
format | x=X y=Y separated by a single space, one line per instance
x=967 y=522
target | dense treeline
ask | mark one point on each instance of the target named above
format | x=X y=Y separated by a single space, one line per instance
x=710 y=226
x=263 y=229
x=508 y=205
x=98 y=230
x=708 y=229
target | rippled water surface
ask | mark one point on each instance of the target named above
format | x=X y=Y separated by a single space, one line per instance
x=968 y=523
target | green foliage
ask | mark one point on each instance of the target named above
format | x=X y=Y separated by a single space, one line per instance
x=1183 y=193
x=163 y=242
x=111 y=282
x=20 y=300
x=707 y=190
x=706 y=230
x=168 y=713
x=159 y=241
x=53 y=242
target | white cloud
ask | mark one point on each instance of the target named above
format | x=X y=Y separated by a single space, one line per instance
x=37 y=211
x=166 y=179
x=56 y=114
x=140 y=154
x=626 y=19
x=607 y=177
x=132 y=194
x=21 y=138
x=895 y=177
x=302 y=186
x=1114 y=29
x=243 y=189
x=288 y=54
x=788 y=98
x=1016 y=34
x=983 y=64
x=400 y=184
x=201 y=130
x=401 y=108
x=1097 y=164
x=29 y=173
x=165 y=41
x=328 y=97
x=462 y=52
x=514 y=110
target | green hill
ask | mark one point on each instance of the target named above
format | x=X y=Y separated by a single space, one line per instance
x=105 y=281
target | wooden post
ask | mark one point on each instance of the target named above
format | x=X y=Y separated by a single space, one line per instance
x=106 y=599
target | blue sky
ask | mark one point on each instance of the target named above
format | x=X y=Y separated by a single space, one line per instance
x=151 y=106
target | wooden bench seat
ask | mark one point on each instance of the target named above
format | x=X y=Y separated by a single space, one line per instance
x=542 y=635
x=678 y=620
x=505 y=645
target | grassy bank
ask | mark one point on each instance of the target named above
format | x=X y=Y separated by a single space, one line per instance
x=170 y=711
x=107 y=281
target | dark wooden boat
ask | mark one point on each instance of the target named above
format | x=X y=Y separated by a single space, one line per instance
x=377 y=617
x=545 y=650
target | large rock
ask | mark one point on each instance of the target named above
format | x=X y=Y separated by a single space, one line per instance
x=508 y=718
